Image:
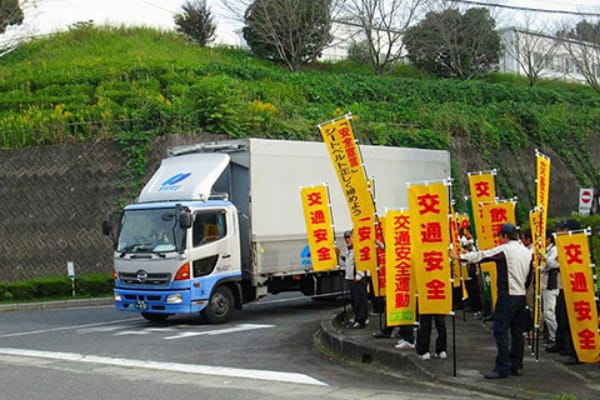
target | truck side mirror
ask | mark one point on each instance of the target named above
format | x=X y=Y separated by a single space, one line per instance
x=106 y=227
x=185 y=219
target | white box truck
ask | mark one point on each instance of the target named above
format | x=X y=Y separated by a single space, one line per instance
x=220 y=224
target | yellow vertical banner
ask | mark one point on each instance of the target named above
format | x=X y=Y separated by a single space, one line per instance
x=578 y=285
x=493 y=216
x=496 y=214
x=340 y=141
x=456 y=265
x=380 y=251
x=535 y=217
x=482 y=188
x=542 y=189
x=430 y=232
x=400 y=302
x=319 y=227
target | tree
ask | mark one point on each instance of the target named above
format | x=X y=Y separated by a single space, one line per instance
x=294 y=32
x=451 y=44
x=10 y=14
x=383 y=24
x=196 y=22
x=583 y=45
x=533 y=51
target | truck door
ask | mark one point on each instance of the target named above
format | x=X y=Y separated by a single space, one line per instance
x=211 y=243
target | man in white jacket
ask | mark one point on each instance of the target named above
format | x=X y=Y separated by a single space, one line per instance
x=513 y=265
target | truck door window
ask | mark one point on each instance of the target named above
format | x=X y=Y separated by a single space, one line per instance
x=208 y=227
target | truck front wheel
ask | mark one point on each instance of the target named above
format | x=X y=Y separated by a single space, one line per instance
x=220 y=307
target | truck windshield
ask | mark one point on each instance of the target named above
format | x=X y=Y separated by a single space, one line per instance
x=150 y=231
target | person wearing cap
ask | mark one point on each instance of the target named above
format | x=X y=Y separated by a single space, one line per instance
x=357 y=283
x=513 y=265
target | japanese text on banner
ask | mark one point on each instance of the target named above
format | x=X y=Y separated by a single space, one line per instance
x=576 y=277
x=400 y=293
x=493 y=216
x=430 y=233
x=338 y=136
x=321 y=237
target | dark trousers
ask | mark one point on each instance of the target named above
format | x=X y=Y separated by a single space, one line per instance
x=424 y=333
x=508 y=316
x=358 y=299
x=563 y=333
x=405 y=332
x=473 y=288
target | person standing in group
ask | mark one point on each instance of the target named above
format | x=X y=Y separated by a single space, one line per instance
x=357 y=283
x=424 y=334
x=549 y=281
x=472 y=284
x=513 y=265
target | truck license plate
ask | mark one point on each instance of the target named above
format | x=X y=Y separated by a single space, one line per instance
x=141 y=305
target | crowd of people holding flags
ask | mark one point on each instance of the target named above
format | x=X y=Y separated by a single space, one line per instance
x=417 y=259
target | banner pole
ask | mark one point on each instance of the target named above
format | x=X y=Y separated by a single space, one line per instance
x=454 y=344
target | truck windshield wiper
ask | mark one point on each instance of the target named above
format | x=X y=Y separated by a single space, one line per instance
x=140 y=249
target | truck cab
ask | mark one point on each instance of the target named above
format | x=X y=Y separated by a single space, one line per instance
x=180 y=252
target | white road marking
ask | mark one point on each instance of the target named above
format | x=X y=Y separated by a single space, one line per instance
x=66 y=328
x=139 y=333
x=238 y=328
x=102 y=329
x=166 y=366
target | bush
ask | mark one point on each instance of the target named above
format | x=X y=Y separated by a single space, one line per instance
x=58 y=287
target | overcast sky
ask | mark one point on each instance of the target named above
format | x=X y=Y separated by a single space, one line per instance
x=51 y=15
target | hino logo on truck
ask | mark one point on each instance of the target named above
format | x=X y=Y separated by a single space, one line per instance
x=171 y=183
x=142 y=276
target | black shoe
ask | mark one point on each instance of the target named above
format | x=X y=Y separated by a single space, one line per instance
x=494 y=375
x=572 y=361
x=517 y=371
x=380 y=335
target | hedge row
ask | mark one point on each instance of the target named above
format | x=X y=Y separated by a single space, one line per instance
x=88 y=285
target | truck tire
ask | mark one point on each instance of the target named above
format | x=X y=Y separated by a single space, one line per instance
x=152 y=317
x=220 y=306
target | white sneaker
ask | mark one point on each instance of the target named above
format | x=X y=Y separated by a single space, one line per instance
x=425 y=356
x=442 y=355
x=404 y=345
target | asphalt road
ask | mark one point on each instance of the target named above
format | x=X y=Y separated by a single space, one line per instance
x=265 y=352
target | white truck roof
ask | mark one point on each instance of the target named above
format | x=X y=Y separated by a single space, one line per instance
x=185 y=177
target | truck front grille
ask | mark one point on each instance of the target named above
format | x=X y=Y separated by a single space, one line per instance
x=131 y=278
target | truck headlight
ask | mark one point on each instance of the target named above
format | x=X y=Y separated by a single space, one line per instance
x=176 y=298
x=118 y=297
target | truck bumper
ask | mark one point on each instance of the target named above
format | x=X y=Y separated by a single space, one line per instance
x=158 y=301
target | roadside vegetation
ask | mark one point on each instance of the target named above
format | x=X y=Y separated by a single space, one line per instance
x=134 y=84
x=56 y=288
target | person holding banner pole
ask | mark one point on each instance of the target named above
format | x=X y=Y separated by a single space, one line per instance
x=513 y=264
x=357 y=282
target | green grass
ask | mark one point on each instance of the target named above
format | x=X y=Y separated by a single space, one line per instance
x=133 y=84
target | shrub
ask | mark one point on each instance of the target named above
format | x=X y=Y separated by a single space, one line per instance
x=58 y=287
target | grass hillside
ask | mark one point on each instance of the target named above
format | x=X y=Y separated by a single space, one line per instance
x=133 y=84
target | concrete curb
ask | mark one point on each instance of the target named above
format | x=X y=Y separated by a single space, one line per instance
x=49 y=305
x=352 y=349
